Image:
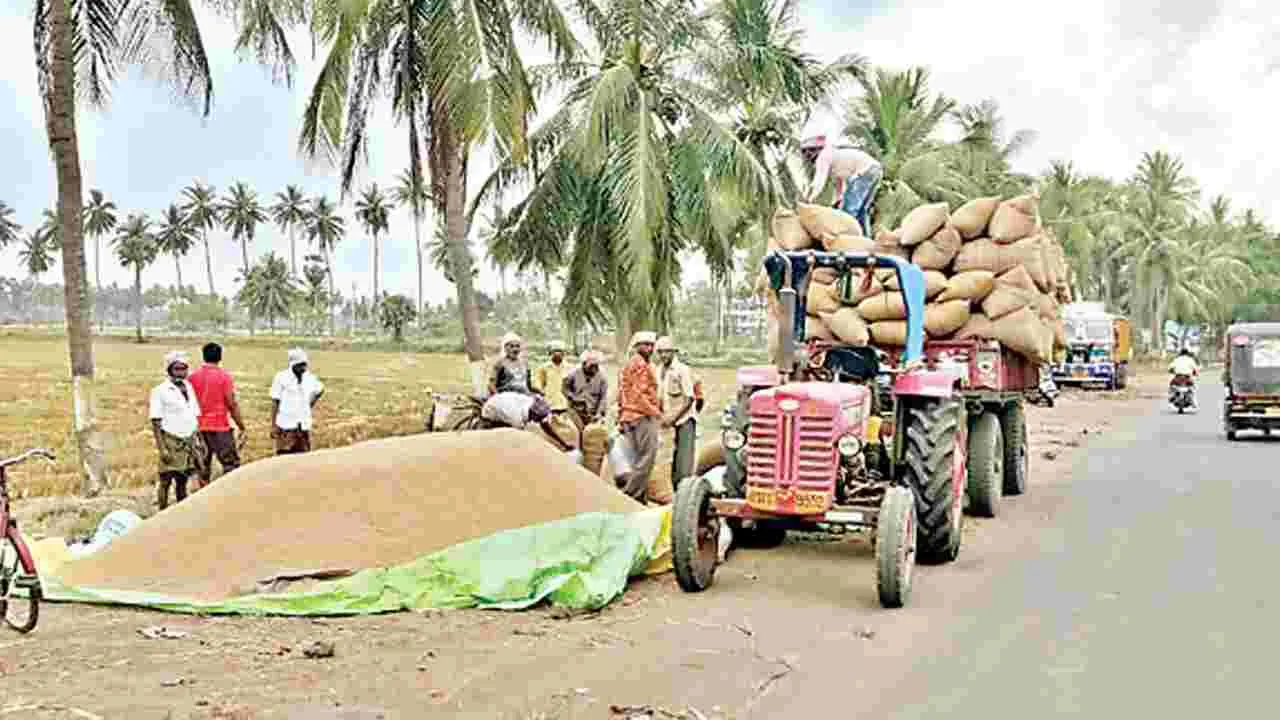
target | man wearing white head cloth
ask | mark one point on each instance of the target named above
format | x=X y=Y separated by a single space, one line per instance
x=510 y=373
x=586 y=389
x=294 y=392
x=174 y=414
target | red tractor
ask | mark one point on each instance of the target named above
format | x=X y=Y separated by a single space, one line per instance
x=832 y=436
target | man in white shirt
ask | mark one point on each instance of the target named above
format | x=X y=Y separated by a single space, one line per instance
x=174 y=415
x=294 y=391
x=675 y=393
x=1185 y=365
x=856 y=176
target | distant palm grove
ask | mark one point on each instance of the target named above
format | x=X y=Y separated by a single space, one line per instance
x=665 y=129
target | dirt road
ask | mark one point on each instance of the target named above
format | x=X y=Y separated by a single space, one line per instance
x=1127 y=580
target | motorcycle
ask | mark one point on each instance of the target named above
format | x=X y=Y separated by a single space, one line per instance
x=1181 y=389
x=1046 y=392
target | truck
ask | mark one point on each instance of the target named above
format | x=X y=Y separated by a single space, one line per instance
x=894 y=441
x=1099 y=348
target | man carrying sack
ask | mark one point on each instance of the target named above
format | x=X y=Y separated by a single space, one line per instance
x=586 y=389
x=638 y=416
x=174 y=414
x=675 y=383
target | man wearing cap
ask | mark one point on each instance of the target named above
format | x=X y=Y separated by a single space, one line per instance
x=510 y=373
x=639 y=413
x=856 y=176
x=675 y=384
x=585 y=391
x=294 y=392
x=174 y=415
x=548 y=380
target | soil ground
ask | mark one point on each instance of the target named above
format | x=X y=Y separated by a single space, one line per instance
x=730 y=652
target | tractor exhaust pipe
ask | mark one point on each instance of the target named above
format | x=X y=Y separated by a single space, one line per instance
x=787 y=330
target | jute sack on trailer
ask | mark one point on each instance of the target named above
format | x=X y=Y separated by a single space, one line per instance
x=921 y=223
x=971 y=218
x=938 y=251
x=986 y=254
x=818 y=220
x=942 y=319
x=973 y=286
x=1014 y=220
x=848 y=326
x=889 y=333
x=788 y=232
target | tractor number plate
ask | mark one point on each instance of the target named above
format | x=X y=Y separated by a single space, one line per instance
x=807 y=502
x=1079 y=373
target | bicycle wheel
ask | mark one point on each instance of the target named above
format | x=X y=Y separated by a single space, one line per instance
x=20 y=592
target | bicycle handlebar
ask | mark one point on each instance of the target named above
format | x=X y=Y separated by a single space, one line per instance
x=47 y=454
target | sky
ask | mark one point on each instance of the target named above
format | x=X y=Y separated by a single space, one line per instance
x=1099 y=81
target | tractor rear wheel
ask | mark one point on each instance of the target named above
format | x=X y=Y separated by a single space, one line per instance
x=1013 y=424
x=985 y=465
x=929 y=464
x=895 y=547
x=695 y=536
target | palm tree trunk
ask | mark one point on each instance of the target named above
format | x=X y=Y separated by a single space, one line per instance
x=375 y=268
x=328 y=266
x=293 y=252
x=97 y=279
x=60 y=125
x=208 y=260
x=417 y=246
x=137 y=298
x=177 y=265
x=455 y=195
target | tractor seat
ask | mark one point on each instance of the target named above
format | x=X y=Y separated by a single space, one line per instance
x=855 y=363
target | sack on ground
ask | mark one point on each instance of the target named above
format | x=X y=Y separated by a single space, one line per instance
x=920 y=224
x=1014 y=220
x=986 y=254
x=710 y=456
x=508 y=408
x=971 y=219
x=847 y=242
x=942 y=319
x=848 y=326
x=595 y=445
x=822 y=298
x=973 y=286
x=938 y=251
x=788 y=231
x=815 y=328
x=819 y=220
x=1022 y=332
x=1004 y=300
x=978 y=326
x=885 y=306
x=660 y=488
x=565 y=431
x=889 y=333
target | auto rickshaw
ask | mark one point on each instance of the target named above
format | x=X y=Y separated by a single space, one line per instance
x=1252 y=378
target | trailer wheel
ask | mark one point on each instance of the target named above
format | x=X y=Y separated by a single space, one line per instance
x=985 y=465
x=895 y=547
x=1013 y=422
x=695 y=536
x=929 y=461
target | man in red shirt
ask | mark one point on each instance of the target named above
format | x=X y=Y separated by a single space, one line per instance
x=216 y=392
x=638 y=415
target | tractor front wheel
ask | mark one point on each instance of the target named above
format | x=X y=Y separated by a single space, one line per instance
x=986 y=465
x=895 y=547
x=695 y=536
x=929 y=464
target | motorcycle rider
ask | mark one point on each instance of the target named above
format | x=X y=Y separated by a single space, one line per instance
x=1185 y=366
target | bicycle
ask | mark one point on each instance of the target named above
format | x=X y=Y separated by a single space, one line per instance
x=20 y=573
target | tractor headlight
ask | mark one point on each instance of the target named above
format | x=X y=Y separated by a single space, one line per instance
x=733 y=440
x=849 y=445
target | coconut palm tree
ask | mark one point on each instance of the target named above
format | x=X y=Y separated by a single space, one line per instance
x=201 y=208
x=622 y=174
x=411 y=192
x=290 y=214
x=241 y=213
x=36 y=254
x=268 y=289
x=9 y=228
x=136 y=248
x=79 y=50
x=372 y=210
x=99 y=220
x=896 y=120
x=325 y=229
x=454 y=76
x=175 y=236
x=51 y=228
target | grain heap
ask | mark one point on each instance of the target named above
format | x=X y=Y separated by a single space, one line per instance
x=991 y=271
x=375 y=504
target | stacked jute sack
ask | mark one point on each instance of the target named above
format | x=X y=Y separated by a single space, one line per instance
x=991 y=271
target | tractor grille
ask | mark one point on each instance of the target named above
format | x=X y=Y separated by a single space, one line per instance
x=791 y=451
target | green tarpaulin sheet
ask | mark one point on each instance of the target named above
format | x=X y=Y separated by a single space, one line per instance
x=582 y=562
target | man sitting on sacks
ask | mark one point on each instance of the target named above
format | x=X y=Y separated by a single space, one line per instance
x=856 y=176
